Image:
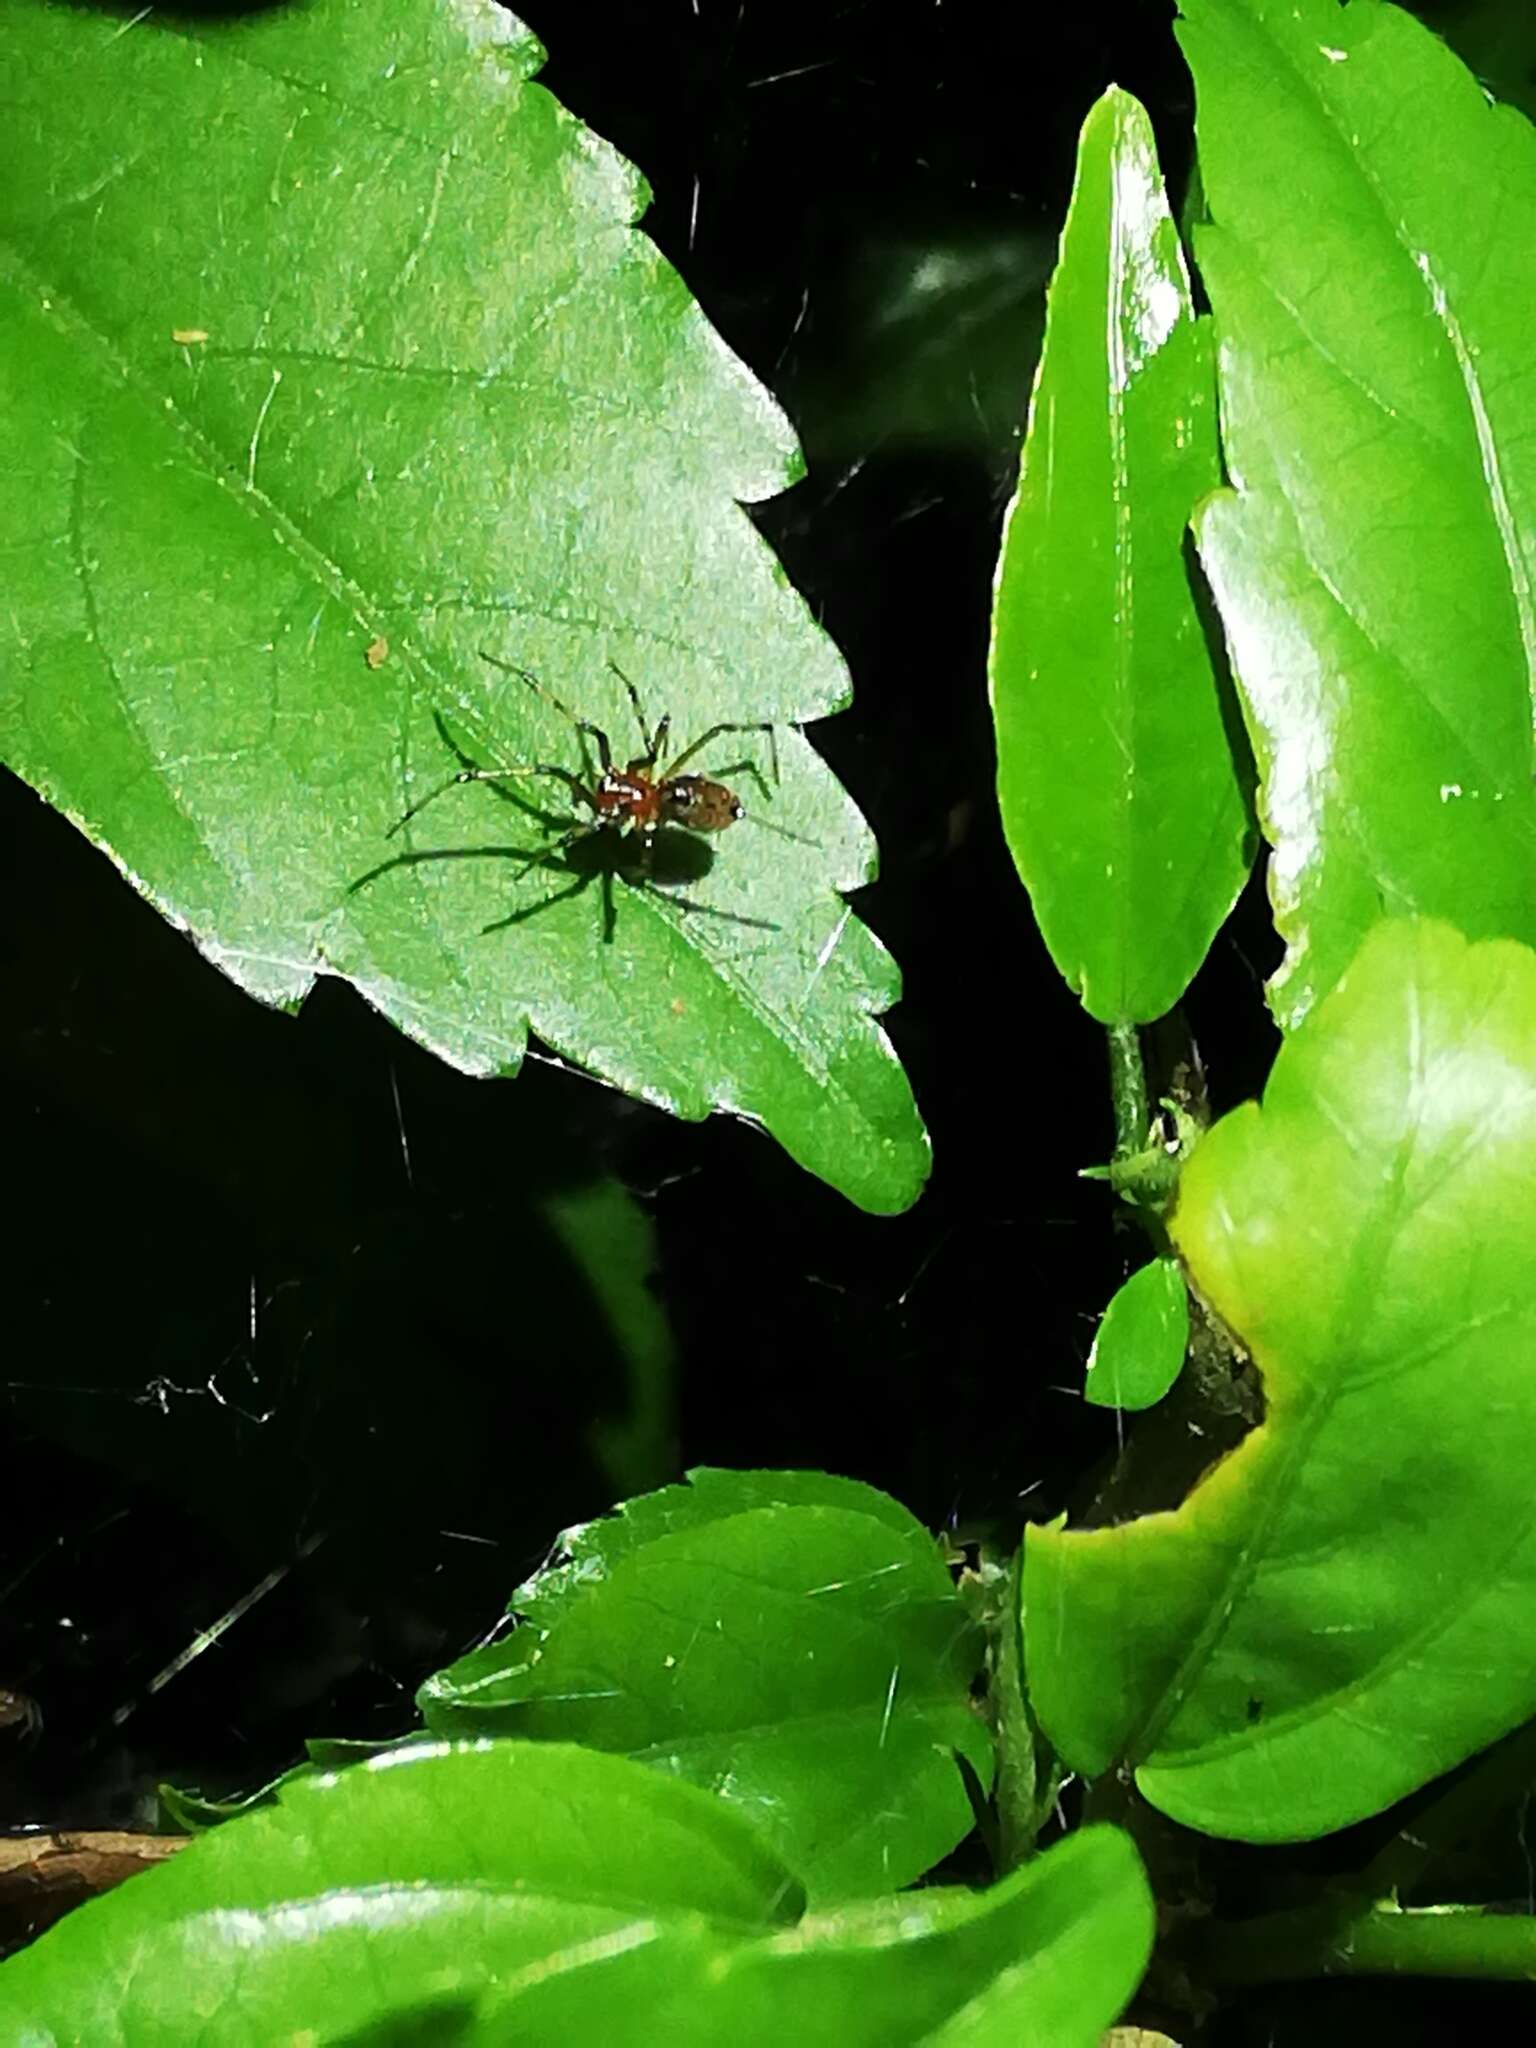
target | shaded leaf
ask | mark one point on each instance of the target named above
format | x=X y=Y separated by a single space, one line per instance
x=331 y=359
x=926 y=333
x=791 y=1641
x=1497 y=43
x=1141 y=1342
x=612 y=1241
x=1374 y=285
x=1327 y=1621
x=1119 y=793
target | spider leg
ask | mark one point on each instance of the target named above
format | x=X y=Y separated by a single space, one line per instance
x=731 y=725
x=546 y=854
x=471 y=771
x=468 y=761
x=653 y=742
x=733 y=768
x=604 y=750
x=572 y=782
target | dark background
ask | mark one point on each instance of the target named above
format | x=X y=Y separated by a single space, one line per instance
x=279 y=1296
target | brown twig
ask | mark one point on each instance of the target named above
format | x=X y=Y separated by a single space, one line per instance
x=42 y=1877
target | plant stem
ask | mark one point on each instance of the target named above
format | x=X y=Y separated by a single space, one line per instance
x=1017 y=1791
x=1435 y=1941
x=1128 y=1090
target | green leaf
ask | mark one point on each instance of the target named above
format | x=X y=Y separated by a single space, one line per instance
x=431 y=395
x=192 y=1811
x=1374 y=284
x=1119 y=793
x=1496 y=41
x=399 y=1888
x=534 y=1892
x=790 y=1641
x=610 y=1239
x=1046 y=1959
x=1327 y=1621
x=1140 y=1346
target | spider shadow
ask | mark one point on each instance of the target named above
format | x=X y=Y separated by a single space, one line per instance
x=673 y=860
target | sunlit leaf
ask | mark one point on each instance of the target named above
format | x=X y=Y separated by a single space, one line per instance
x=1119 y=793
x=1374 y=284
x=790 y=1641
x=330 y=359
x=1336 y=1613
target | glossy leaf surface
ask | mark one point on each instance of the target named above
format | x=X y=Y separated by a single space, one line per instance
x=330 y=359
x=1374 y=285
x=1046 y=1959
x=790 y=1641
x=531 y=1893
x=1119 y=794
x=398 y=1890
x=1141 y=1342
x=1328 y=1620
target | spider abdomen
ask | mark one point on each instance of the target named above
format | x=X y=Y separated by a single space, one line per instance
x=698 y=803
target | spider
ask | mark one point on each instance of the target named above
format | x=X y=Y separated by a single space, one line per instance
x=636 y=800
